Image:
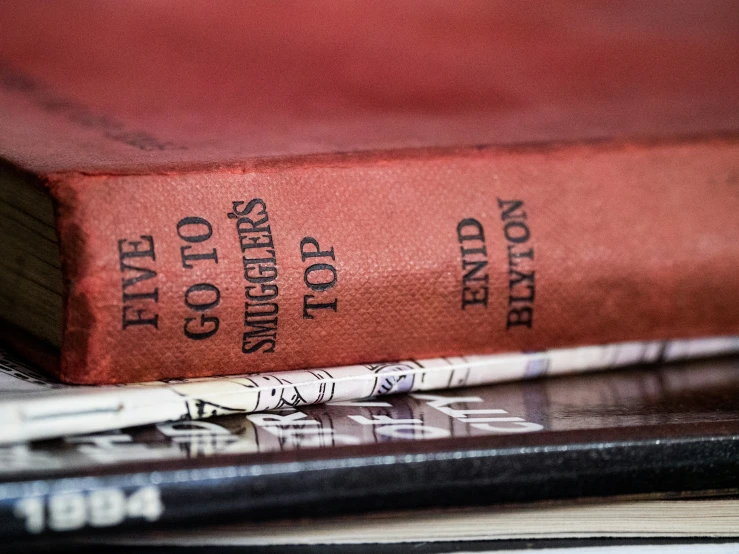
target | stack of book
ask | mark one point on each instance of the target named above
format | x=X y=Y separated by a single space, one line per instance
x=633 y=457
x=267 y=262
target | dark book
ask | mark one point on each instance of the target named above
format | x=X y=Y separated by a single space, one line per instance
x=671 y=430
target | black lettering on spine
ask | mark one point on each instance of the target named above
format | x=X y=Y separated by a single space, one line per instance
x=516 y=232
x=309 y=306
x=509 y=209
x=267 y=292
x=195 y=230
x=471 y=238
x=520 y=316
x=140 y=297
x=306 y=253
x=200 y=297
x=206 y=328
x=322 y=281
x=260 y=273
x=521 y=274
x=319 y=277
x=141 y=317
x=202 y=231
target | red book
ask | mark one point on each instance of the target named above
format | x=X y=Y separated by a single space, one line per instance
x=194 y=188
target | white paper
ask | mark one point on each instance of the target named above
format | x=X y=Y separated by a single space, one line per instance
x=34 y=406
x=677 y=519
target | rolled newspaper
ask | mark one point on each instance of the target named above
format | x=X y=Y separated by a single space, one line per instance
x=34 y=406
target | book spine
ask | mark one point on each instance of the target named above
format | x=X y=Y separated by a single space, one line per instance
x=422 y=474
x=346 y=260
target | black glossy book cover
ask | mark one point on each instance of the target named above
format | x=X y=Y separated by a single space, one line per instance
x=666 y=430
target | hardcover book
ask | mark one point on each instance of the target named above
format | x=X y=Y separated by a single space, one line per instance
x=654 y=524
x=193 y=189
x=672 y=431
x=601 y=522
